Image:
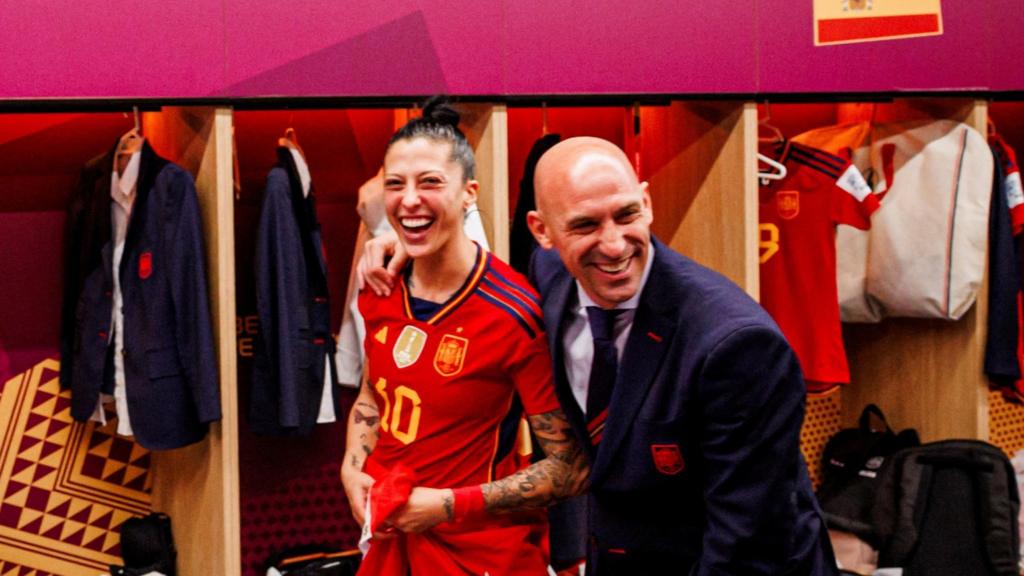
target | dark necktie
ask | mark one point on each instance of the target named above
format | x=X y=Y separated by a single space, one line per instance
x=603 y=369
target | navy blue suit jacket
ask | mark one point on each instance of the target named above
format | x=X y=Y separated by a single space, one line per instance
x=171 y=377
x=699 y=469
x=292 y=302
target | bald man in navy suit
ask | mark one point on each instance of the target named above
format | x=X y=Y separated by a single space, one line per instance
x=690 y=399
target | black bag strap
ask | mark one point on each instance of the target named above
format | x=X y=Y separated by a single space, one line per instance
x=872 y=410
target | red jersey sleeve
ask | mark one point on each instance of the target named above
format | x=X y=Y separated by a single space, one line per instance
x=1012 y=182
x=853 y=202
x=531 y=372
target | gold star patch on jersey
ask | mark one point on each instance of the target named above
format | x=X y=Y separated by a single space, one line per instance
x=381 y=335
x=451 y=352
x=409 y=346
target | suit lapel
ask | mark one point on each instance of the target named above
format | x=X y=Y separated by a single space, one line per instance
x=150 y=164
x=649 y=338
x=305 y=210
x=556 y=305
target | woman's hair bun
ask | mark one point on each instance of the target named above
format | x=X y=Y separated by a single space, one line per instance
x=438 y=109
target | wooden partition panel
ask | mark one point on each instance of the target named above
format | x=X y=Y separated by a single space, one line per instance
x=488 y=134
x=925 y=374
x=198 y=485
x=699 y=159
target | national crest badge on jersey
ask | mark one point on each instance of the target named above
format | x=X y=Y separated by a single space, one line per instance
x=787 y=202
x=667 y=458
x=451 y=353
x=409 y=346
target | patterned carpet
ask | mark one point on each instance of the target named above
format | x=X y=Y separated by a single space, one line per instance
x=65 y=487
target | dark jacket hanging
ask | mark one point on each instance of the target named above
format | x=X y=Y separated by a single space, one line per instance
x=294 y=338
x=1001 y=362
x=521 y=242
x=171 y=378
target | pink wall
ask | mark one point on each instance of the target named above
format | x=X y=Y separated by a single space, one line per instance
x=259 y=48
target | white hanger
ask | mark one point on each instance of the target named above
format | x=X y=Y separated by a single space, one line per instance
x=780 y=169
x=763 y=123
x=778 y=174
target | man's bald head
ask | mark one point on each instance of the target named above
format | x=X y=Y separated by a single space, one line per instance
x=571 y=161
x=592 y=209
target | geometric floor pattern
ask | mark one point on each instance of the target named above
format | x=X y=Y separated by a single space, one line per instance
x=66 y=487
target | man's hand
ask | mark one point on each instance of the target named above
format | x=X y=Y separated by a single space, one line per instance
x=425 y=508
x=370 y=272
x=357 y=487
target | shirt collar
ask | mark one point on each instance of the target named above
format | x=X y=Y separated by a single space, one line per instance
x=122 y=186
x=303 y=168
x=634 y=301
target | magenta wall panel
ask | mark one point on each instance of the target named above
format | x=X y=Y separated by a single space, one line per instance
x=665 y=46
x=115 y=49
x=263 y=48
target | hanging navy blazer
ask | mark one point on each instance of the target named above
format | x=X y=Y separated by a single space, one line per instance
x=294 y=340
x=699 y=468
x=171 y=378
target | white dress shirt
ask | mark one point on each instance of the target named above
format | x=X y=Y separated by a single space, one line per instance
x=326 y=413
x=122 y=192
x=578 y=343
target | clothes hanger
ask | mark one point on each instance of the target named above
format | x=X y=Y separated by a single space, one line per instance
x=763 y=123
x=779 y=173
x=129 y=143
x=777 y=137
x=290 y=140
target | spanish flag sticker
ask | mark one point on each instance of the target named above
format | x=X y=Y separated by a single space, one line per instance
x=849 y=21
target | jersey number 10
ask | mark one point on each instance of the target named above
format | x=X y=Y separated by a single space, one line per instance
x=391 y=420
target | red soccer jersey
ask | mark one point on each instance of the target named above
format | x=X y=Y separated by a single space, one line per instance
x=798 y=218
x=443 y=387
x=1011 y=181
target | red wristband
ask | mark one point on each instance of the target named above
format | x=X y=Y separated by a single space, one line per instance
x=469 y=503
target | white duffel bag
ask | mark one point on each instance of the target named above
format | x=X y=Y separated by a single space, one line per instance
x=924 y=256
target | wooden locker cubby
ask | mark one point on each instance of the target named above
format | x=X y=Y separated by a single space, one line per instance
x=693 y=156
x=698 y=158
x=924 y=374
x=197 y=486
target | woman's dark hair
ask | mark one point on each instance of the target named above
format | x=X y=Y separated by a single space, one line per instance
x=440 y=122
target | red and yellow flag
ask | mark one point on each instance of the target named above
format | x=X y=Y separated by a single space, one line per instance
x=849 y=21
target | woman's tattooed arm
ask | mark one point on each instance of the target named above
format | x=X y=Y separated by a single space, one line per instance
x=362 y=434
x=560 y=475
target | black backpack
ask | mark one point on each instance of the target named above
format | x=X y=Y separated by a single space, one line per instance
x=147 y=545
x=852 y=466
x=949 y=508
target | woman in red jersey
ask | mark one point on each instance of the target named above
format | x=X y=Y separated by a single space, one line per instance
x=450 y=351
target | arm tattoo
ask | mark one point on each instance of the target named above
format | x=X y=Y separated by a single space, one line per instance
x=449 y=507
x=370 y=420
x=561 y=475
x=364 y=420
